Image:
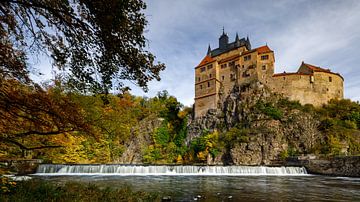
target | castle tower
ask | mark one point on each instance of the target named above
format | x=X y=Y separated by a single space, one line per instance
x=229 y=64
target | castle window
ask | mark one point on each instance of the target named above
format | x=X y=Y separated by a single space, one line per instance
x=330 y=79
x=284 y=78
x=202 y=69
x=209 y=66
x=208 y=84
x=200 y=86
x=223 y=78
x=252 y=66
x=246 y=74
x=210 y=75
x=264 y=57
x=231 y=64
x=243 y=66
x=232 y=77
x=198 y=78
x=247 y=57
x=223 y=66
x=264 y=67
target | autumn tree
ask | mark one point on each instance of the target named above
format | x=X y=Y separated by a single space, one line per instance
x=99 y=43
x=29 y=113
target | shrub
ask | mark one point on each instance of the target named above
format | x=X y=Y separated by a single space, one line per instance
x=270 y=110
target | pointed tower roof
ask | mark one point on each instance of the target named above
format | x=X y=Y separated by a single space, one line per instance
x=209 y=51
x=237 y=37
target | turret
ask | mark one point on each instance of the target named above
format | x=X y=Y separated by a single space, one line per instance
x=223 y=40
x=209 y=51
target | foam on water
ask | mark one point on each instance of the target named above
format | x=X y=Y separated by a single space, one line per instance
x=143 y=170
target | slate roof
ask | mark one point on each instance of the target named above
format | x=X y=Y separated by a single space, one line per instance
x=230 y=46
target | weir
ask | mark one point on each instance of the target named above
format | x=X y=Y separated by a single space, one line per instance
x=62 y=169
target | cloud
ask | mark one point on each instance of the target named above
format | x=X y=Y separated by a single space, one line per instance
x=323 y=33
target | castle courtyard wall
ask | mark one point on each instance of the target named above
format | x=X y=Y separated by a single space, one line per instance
x=316 y=89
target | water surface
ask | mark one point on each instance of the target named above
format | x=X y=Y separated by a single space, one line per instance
x=229 y=188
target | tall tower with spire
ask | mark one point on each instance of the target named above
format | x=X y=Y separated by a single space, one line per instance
x=223 y=40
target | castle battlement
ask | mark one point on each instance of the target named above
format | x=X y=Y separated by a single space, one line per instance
x=237 y=63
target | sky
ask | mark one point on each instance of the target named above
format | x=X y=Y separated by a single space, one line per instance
x=324 y=33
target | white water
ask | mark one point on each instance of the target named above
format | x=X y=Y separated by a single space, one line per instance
x=58 y=169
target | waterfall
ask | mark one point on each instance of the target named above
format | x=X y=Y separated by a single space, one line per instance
x=108 y=169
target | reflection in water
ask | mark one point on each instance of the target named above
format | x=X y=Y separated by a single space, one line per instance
x=232 y=188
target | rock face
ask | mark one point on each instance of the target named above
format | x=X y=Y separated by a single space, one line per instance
x=269 y=137
x=140 y=137
x=338 y=166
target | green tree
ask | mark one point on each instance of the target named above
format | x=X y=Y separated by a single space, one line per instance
x=95 y=41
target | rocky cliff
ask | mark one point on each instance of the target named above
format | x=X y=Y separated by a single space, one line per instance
x=274 y=127
x=140 y=138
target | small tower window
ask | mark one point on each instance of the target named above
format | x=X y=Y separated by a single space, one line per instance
x=330 y=79
x=264 y=57
x=200 y=86
x=198 y=78
x=208 y=84
x=210 y=75
x=264 y=67
x=222 y=78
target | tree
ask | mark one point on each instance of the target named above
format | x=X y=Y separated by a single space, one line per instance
x=95 y=41
x=29 y=115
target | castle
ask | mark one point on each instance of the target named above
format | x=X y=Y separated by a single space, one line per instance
x=237 y=63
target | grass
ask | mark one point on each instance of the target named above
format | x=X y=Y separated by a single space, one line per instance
x=37 y=190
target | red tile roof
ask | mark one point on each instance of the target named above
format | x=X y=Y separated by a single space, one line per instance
x=315 y=68
x=263 y=49
x=260 y=50
x=207 y=59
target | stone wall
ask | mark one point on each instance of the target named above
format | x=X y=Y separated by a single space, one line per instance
x=316 y=89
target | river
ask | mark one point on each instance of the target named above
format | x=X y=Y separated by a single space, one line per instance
x=253 y=186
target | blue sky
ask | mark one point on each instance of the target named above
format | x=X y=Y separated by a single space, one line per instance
x=325 y=33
